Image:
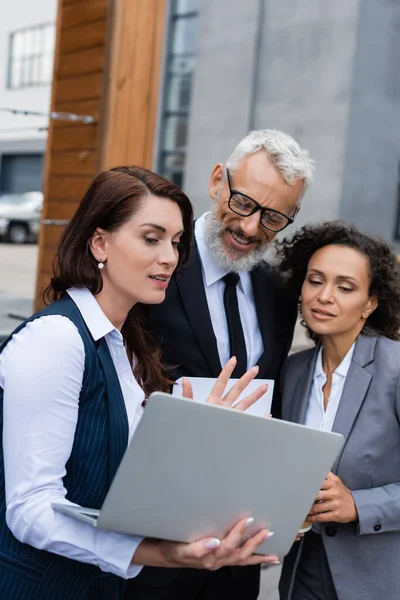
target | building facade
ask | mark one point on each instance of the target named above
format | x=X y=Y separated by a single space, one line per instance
x=325 y=72
x=27 y=35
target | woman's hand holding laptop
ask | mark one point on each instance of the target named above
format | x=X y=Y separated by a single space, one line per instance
x=208 y=553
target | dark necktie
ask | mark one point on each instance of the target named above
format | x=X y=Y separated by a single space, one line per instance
x=237 y=345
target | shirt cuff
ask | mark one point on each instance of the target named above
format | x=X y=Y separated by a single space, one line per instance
x=122 y=548
x=369 y=521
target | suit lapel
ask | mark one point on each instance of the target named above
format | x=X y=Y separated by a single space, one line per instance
x=117 y=417
x=263 y=301
x=264 y=304
x=355 y=389
x=303 y=388
x=193 y=296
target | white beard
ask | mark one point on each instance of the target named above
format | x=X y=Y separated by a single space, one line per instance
x=214 y=230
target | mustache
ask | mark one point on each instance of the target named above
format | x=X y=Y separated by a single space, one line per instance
x=240 y=233
x=214 y=228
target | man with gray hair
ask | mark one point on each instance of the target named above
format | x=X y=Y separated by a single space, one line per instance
x=273 y=173
x=230 y=302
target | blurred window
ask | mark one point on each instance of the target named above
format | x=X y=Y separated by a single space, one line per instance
x=180 y=65
x=31 y=56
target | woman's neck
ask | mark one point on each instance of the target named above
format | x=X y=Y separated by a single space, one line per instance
x=334 y=349
x=114 y=306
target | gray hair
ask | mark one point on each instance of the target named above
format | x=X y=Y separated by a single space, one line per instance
x=292 y=162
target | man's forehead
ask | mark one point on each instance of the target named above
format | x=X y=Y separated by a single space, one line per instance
x=260 y=176
x=256 y=168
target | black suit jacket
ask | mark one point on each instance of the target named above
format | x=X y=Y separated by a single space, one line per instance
x=182 y=324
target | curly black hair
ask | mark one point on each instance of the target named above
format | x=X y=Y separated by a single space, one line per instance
x=384 y=272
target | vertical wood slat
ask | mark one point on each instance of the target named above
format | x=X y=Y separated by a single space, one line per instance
x=133 y=86
x=85 y=12
x=88 y=60
x=80 y=136
x=67 y=189
x=160 y=26
x=142 y=111
x=87 y=35
x=82 y=87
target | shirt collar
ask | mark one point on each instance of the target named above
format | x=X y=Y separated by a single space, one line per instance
x=344 y=366
x=211 y=271
x=97 y=322
x=318 y=371
x=341 y=369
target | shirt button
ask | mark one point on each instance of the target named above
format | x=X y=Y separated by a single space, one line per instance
x=377 y=527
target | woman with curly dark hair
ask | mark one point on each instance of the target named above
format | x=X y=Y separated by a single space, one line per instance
x=348 y=285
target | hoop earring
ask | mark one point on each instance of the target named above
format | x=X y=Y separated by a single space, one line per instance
x=100 y=265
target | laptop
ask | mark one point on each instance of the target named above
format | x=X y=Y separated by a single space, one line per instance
x=192 y=470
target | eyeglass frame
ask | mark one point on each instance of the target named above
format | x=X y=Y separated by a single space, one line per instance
x=258 y=207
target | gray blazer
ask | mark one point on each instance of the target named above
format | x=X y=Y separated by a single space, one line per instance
x=364 y=557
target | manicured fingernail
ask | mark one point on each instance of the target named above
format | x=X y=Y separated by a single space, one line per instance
x=256 y=368
x=269 y=535
x=212 y=544
x=232 y=358
x=275 y=562
x=249 y=521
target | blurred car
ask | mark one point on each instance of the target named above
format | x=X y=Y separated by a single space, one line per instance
x=20 y=217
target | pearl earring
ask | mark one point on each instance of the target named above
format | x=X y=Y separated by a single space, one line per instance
x=101 y=265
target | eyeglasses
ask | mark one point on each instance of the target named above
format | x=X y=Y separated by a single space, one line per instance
x=245 y=206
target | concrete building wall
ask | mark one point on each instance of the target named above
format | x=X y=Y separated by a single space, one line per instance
x=304 y=83
x=286 y=65
x=369 y=196
x=221 y=94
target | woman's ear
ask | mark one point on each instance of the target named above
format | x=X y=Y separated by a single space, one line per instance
x=371 y=306
x=98 y=245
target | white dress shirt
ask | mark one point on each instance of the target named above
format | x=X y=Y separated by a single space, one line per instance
x=41 y=372
x=214 y=288
x=316 y=415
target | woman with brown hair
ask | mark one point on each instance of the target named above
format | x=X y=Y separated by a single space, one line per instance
x=73 y=381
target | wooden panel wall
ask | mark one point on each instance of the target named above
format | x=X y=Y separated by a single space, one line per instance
x=133 y=82
x=107 y=65
x=73 y=149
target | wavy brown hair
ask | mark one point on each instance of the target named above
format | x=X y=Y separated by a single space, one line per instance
x=384 y=274
x=112 y=199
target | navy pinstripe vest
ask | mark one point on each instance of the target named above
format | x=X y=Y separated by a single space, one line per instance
x=100 y=440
